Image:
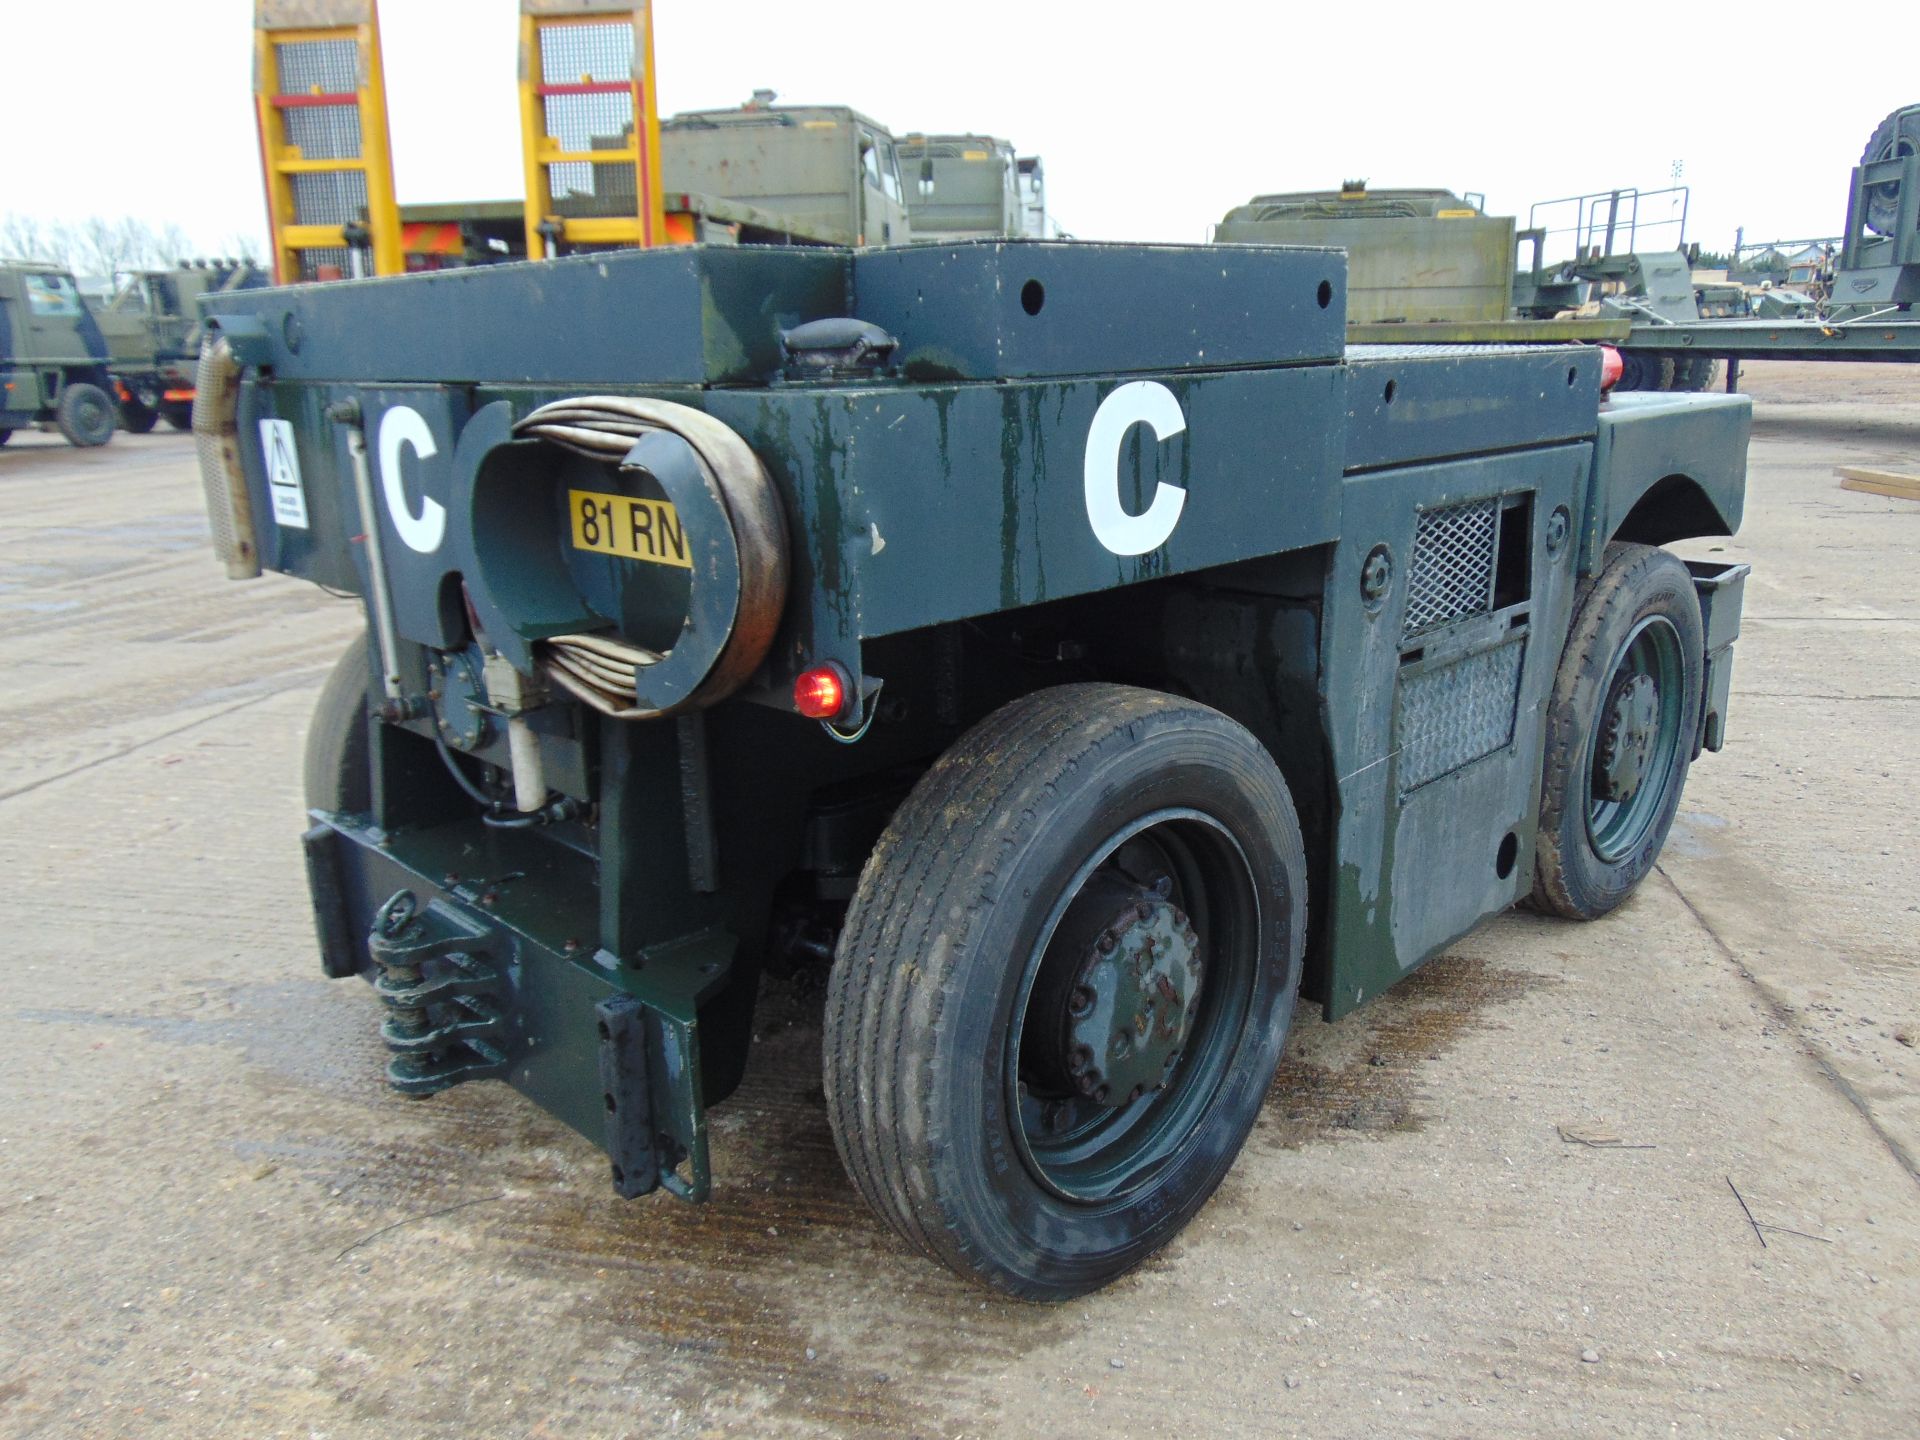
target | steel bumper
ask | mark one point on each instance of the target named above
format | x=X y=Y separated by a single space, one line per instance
x=495 y=974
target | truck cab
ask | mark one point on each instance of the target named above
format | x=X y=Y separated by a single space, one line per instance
x=971 y=187
x=53 y=358
x=151 y=324
x=829 y=171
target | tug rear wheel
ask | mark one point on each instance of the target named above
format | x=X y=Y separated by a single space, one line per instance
x=338 y=771
x=1621 y=726
x=1064 y=983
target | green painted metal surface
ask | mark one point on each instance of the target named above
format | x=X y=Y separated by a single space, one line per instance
x=1367 y=555
x=1414 y=257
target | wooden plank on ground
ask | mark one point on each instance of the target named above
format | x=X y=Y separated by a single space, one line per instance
x=1879 y=482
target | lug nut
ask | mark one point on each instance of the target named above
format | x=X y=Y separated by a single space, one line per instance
x=1100 y=1095
x=1081 y=1001
x=1138 y=1091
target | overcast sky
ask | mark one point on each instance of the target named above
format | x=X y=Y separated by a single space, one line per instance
x=1154 y=119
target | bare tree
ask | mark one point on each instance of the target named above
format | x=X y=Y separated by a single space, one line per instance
x=171 y=247
x=98 y=246
x=24 y=238
x=242 y=245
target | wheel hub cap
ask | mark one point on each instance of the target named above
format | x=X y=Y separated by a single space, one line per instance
x=1631 y=725
x=1132 y=1002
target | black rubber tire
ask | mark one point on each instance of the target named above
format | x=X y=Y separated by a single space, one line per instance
x=85 y=415
x=930 y=965
x=1897 y=135
x=338 y=766
x=1645 y=370
x=135 y=418
x=1635 y=582
x=5 y=435
x=177 y=414
x=1694 y=373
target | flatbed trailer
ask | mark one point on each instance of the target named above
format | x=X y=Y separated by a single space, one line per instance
x=1893 y=339
x=1086 y=682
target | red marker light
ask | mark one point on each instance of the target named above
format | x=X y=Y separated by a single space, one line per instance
x=821 y=693
x=1611 y=368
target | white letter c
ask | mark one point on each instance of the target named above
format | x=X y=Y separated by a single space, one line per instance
x=1139 y=402
x=403 y=425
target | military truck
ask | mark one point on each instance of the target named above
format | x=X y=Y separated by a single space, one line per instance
x=1625 y=275
x=152 y=329
x=758 y=173
x=1091 y=683
x=1413 y=256
x=972 y=187
x=53 y=358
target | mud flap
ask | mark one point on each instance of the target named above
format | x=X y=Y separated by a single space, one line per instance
x=656 y=1135
x=1720 y=588
x=342 y=950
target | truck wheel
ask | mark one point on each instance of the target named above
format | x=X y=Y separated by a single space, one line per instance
x=1064 y=983
x=135 y=418
x=1621 y=725
x=1695 y=372
x=1896 y=136
x=5 y=435
x=338 y=769
x=178 y=415
x=85 y=415
x=1644 y=370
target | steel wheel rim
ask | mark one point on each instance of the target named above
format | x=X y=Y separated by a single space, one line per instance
x=1101 y=1154
x=1615 y=826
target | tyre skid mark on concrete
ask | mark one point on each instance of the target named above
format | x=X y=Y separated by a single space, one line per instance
x=1362 y=1075
x=1785 y=1017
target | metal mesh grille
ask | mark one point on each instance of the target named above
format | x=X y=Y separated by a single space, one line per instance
x=1452 y=574
x=603 y=53
x=337 y=263
x=599 y=51
x=331 y=67
x=597 y=122
x=329 y=197
x=1454 y=714
x=324 y=132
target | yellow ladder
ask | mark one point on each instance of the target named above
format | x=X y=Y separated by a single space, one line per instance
x=589 y=125
x=321 y=100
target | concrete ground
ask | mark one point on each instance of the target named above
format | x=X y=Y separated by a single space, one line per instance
x=215 y=1220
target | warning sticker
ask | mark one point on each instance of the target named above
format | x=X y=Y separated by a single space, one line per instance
x=283 y=474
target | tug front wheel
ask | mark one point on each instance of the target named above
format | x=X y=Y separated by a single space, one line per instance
x=1064 y=984
x=1621 y=727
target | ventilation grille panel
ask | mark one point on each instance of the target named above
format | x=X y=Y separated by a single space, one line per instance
x=1452 y=715
x=1453 y=560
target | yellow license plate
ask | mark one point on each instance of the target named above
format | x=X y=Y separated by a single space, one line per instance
x=628 y=526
